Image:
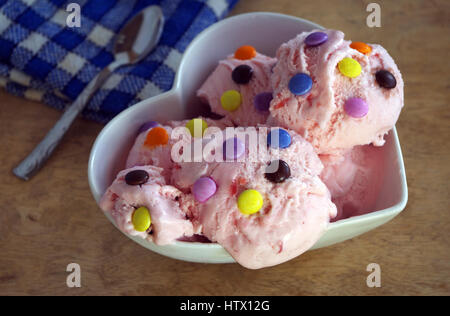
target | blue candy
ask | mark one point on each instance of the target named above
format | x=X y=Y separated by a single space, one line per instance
x=300 y=84
x=279 y=138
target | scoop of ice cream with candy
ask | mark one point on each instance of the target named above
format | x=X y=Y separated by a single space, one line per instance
x=336 y=93
x=239 y=88
x=154 y=142
x=261 y=218
x=142 y=204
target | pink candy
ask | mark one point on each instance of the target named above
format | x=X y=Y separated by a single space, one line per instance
x=356 y=107
x=204 y=188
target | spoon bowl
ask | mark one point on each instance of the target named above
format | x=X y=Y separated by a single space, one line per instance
x=140 y=35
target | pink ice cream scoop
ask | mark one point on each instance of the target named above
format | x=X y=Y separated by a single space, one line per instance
x=262 y=217
x=144 y=186
x=142 y=153
x=355 y=180
x=240 y=89
x=335 y=93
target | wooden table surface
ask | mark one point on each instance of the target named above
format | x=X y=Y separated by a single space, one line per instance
x=52 y=220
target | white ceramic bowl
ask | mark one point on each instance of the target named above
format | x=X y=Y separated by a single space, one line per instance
x=265 y=31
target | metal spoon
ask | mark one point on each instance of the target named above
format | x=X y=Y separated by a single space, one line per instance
x=134 y=41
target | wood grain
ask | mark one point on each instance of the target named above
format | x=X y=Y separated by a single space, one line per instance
x=52 y=220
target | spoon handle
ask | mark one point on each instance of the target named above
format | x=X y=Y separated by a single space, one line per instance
x=36 y=159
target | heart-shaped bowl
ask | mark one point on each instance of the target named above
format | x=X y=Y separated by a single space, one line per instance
x=266 y=32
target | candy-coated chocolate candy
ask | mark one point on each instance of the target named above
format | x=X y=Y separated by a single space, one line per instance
x=278 y=171
x=356 y=107
x=300 y=84
x=146 y=126
x=231 y=100
x=136 y=177
x=385 y=79
x=245 y=52
x=361 y=47
x=242 y=74
x=233 y=148
x=141 y=219
x=250 y=202
x=349 y=67
x=204 y=188
x=316 y=39
x=279 y=138
x=261 y=101
x=197 y=127
x=157 y=136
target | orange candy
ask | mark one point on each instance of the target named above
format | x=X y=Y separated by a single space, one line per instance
x=245 y=52
x=156 y=137
x=361 y=47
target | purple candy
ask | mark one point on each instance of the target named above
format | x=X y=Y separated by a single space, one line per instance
x=262 y=100
x=356 y=107
x=233 y=148
x=316 y=39
x=146 y=126
x=204 y=188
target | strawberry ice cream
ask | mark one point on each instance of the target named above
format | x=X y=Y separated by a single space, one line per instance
x=334 y=95
x=168 y=221
x=320 y=112
x=216 y=198
x=294 y=213
x=250 y=79
x=141 y=155
x=355 y=180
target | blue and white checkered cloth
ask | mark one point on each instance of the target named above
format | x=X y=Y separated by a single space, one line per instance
x=43 y=59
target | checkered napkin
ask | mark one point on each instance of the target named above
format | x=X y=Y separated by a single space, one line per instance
x=43 y=59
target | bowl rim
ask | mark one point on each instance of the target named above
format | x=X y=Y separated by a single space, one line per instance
x=175 y=91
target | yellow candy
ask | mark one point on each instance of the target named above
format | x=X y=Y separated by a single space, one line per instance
x=349 y=67
x=231 y=100
x=141 y=219
x=194 y=126
x=250 y=202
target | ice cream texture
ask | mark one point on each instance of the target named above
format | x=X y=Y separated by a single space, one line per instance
x=355 y=180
